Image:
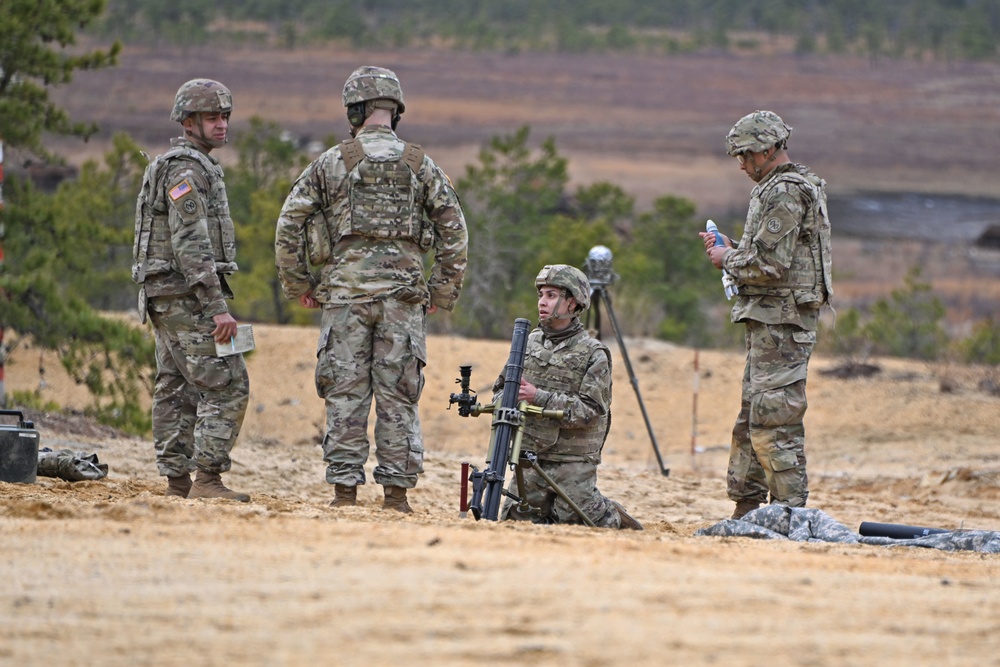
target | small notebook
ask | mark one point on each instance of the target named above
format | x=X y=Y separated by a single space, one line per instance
x=243 y=342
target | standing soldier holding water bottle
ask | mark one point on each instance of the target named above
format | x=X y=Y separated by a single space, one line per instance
x=781 y=271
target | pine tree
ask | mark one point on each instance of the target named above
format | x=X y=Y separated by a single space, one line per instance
x=53 y=243
x=33 y=57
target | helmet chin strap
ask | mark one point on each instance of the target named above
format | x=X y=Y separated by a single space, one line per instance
x=556 y=314
x=200 y=137
x=758 y=172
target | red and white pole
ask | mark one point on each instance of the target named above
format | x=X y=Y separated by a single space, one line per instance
x=3 y=350
x=694 y=407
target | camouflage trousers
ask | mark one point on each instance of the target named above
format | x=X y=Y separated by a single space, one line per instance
x=199 y=399
x=372 y=350
x=578 y=480
x=767 y=455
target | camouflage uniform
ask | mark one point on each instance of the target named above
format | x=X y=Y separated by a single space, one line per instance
x=574 y=375
x=358 y=212
x=185 y=246
x=199 y=399
x=782 y=267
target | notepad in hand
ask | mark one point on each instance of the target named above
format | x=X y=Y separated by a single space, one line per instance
x=243 y=342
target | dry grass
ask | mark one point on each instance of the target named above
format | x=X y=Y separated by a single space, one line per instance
x=653 y=126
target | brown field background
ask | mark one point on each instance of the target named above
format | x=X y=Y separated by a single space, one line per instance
x=653 y=126
x=112 y=573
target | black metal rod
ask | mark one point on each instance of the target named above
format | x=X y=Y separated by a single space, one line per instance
x=896 y=531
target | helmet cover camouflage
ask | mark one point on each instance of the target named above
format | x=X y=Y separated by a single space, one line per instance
x=201 y=95
x=373 y=83
x=757 y=132
x=570 y=278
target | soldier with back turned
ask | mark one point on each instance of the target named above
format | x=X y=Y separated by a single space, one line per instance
x=366 y=211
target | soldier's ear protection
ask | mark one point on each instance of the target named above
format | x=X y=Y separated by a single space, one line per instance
x=356 y=114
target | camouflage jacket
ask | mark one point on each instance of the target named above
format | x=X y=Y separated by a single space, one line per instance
x=782 y=263
x=191 y=241
x=358 y=267
x=573 y=375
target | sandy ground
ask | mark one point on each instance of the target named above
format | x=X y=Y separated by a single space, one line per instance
x=112 y=573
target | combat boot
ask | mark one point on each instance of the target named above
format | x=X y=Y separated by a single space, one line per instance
x=395 y=499
x=209 y=485
x=625 y=520
x=744 y=507
x=347 y=496
x=179 y=486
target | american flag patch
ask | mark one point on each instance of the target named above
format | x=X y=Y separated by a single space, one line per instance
x=179 y=190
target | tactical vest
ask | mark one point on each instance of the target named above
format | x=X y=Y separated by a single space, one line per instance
x=152 y=250
x=384 y=202
x=809 y=278
x=563 y=372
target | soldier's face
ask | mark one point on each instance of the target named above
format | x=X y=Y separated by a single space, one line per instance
x=210 y=129
x=754 y=165
x=747 y=162
x=555 y=306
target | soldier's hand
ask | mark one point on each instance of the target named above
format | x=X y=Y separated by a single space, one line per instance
x=307 y=301
x=717 y=253
x=708 y=238
x=225 y=327
x=527 y=392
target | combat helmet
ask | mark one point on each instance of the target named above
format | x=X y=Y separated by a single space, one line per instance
x=373 y=83
x=757 y=132
x=201 y=95
x=570 y=278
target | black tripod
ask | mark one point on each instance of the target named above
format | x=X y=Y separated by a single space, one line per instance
x=599 y=272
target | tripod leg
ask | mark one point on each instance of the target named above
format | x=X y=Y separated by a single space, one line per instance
x=596 y=310
x=631 y=376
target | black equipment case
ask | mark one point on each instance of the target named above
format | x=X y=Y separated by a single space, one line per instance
x=18 y=449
